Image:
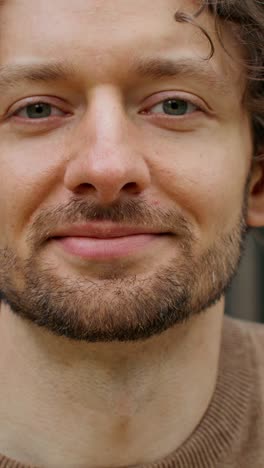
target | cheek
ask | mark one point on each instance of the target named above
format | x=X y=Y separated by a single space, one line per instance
x=29 y=177
x=206 y=179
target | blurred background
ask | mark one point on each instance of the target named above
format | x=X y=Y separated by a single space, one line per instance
x=245 y=298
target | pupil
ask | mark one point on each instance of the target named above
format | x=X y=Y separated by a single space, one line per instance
x=39 y=108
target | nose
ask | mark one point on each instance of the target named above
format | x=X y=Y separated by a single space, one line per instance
x=106 y=157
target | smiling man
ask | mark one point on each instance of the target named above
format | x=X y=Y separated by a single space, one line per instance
x=131 y=136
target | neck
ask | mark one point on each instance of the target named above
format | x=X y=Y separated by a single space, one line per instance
x=109 y=402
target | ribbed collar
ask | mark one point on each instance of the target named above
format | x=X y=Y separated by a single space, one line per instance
x=224 y=421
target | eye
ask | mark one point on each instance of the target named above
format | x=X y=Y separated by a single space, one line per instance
x=38 y=110
x=174 y=107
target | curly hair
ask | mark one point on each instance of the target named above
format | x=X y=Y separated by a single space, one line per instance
x=248 y=17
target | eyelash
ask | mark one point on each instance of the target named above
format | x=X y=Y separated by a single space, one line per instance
x=60 y=108
x=171 y=116
x=146 y=111
x=24 y=107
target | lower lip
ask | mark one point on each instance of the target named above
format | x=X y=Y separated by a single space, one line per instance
x=94 y=248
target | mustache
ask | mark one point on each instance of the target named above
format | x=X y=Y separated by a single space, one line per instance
x=129 y=212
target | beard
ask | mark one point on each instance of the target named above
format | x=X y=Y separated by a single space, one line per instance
x=119 y=306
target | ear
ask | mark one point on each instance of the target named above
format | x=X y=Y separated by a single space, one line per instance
x=255 y=215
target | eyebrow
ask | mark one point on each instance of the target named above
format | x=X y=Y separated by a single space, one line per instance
x=11 y=75
x=197 y=69
x=150 y=68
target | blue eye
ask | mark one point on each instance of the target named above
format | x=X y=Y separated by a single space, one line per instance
x=174 y=107
x=39 y=110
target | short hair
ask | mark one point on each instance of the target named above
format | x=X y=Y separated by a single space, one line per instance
x=248 y=18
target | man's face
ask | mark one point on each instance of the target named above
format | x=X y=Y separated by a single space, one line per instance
x=133 y=125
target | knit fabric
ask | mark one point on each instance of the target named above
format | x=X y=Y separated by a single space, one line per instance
x=230 y=435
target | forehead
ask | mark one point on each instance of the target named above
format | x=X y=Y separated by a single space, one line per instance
x=106 y=21
x=104 y=32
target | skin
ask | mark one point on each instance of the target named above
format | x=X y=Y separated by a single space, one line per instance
x=104 y=149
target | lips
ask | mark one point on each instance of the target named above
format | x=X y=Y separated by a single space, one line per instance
x=104 y=241
x=102 y=230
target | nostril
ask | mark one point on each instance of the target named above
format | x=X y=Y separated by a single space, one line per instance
x=84 y=188
x=131 y=187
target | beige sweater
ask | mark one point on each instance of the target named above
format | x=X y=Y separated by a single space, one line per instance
x=231 y=433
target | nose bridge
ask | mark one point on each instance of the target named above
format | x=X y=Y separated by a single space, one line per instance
x=104 y=137
x=104 y=156
x=106 y=116
x=102 y=123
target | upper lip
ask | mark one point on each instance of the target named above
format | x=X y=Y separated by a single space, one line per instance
x=102 y=230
